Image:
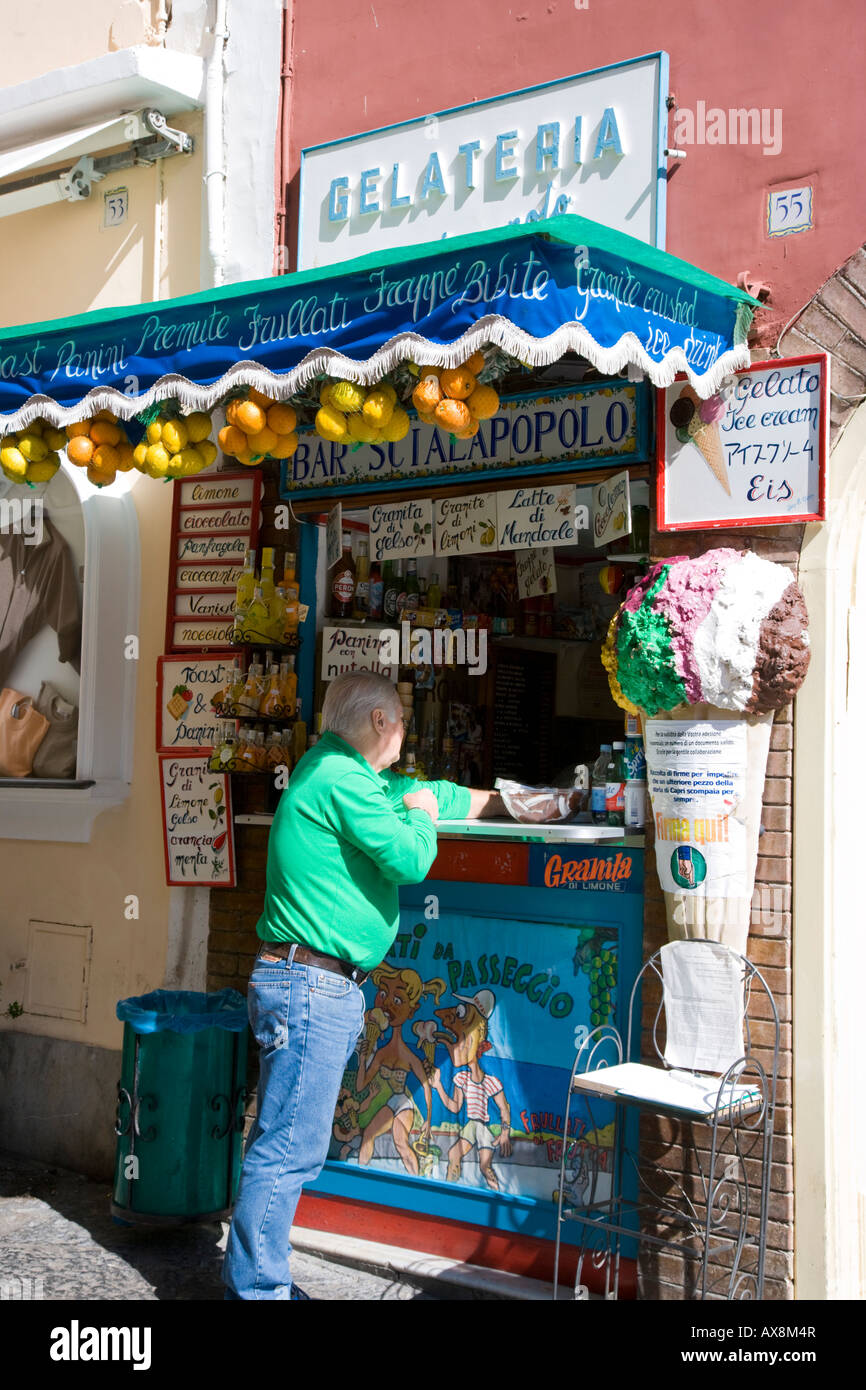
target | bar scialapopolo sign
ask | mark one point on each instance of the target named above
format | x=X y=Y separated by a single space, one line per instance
x=594 y=424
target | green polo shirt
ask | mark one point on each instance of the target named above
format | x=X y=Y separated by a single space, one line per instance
x=341 y=843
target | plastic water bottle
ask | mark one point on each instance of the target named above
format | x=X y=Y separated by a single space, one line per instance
x=598 y=804
x=615 y=787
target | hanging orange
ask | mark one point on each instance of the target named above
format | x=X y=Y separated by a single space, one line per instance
x=475 y=363
x=452 y=415
x=104 y=432
x=79 y=450
x=427 y=394
x=484 y=402
x=457 y=383
x=282 y=419
x=232 y=440
x=250 y=417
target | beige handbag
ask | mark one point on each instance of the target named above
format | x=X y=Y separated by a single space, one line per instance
x=22 y=729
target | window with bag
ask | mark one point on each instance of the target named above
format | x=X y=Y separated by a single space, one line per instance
x=42 y=541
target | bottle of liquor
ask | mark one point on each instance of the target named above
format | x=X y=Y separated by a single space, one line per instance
x=449 y=767
x=253 y=690
x=343 y=581
x=389 y=594
x=267 y=577
x=434 y=592
x=293 y=594
x=377 y=590
x=361 y=608
x=400 y=584
x=257 y=618
x=246 y=584
x=273 y=697
x=413 y=590
x=277 y=616
x=288 y=688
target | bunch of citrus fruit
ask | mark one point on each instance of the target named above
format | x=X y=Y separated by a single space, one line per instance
x=352 y=414
x=100 y=445
x=454 y=399
x=30 y=455
x=258 y=428
x=176 y=446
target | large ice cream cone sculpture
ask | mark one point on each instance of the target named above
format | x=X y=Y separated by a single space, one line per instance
x=706 y=650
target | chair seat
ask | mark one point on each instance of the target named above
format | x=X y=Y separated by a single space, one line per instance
x=691 y=1093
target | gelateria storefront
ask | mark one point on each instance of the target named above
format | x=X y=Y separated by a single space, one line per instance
x=522 y=500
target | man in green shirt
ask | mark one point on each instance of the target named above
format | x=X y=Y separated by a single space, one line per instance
x=346 y=834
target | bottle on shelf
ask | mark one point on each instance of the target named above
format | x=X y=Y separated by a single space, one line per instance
x=413 y=590
x=377 y=590
x=288 y=688
x=361 y=608
x=253 y=691
x=428 y=759
x=235 y=686
x=343 y=581
x=272 y=700
x=274 y=753
x=246 y=584
x=245 y=756
x=266 y=580
x=598 y=795
x=400 y=584
x=434 y=592
x=261 y=757
x=389 y=592
x=634 y=762
x=257 y=618
x=293 y=597
x=277 y=617
x=615 y=786
x=449 y=768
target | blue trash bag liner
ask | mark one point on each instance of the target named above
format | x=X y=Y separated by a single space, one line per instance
x=184 y=1011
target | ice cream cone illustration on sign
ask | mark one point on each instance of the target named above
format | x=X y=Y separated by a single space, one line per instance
x=376 y=1023
x=706 y=651
x=697 y=422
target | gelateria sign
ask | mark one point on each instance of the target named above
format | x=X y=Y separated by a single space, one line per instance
x=597 y=423
x=590 y=144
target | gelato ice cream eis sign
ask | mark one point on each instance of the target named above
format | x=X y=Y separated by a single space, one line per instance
x=753 y=454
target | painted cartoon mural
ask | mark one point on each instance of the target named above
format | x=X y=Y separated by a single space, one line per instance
x=461 y=1071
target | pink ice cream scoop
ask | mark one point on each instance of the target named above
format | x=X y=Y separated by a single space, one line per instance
x=712 y=410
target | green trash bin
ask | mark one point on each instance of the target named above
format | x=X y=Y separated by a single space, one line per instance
x=180 y=1106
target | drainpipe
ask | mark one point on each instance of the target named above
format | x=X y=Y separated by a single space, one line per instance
x=282 y=152
x=215 y=177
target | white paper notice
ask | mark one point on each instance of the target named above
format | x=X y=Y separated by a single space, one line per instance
x=611 y=510
x=704 y=1006
x=334 y=536
x=697 y=780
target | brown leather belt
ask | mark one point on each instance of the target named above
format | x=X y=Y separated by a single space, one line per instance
x=305 y=956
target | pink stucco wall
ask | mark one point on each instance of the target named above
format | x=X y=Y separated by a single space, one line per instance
x=357 y=65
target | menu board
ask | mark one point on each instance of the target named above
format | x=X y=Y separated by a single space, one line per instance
x=196 y=822
x=214 y=521
x=520 y=725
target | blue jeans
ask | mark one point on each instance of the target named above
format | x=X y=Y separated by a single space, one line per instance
x=306 y=1022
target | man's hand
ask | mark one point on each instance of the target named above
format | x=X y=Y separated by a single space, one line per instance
x=424 y=801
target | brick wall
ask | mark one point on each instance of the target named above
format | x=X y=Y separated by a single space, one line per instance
x=667 y=1275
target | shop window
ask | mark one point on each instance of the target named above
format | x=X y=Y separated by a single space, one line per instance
x=64 y=547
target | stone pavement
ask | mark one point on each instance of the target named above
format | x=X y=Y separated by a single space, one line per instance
x=55 y=1227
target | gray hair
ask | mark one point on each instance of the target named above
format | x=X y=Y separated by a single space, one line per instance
x=351 y=699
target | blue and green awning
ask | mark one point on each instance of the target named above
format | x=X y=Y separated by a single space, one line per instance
x=535 y=290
